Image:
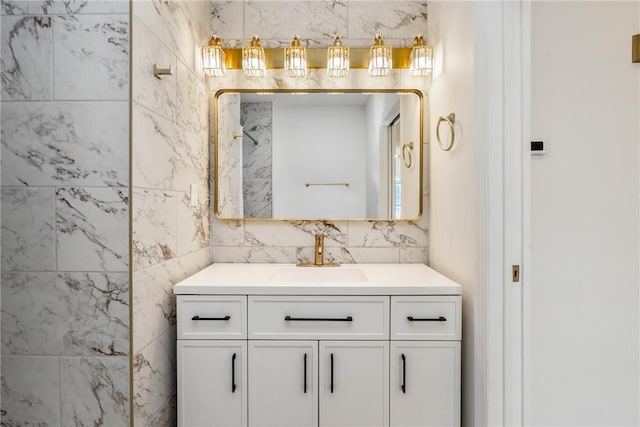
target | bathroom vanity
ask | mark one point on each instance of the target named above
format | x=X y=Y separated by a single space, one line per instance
x=355 y=345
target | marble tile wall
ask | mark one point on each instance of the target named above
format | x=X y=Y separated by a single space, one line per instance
x=257 y=176
x=170 y=154
x=64 y=70
x=316 y=21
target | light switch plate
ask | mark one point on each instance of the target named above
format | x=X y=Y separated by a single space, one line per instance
x=193 y=195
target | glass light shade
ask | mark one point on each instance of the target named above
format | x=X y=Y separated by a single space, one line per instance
x=214 y=58
x=295 y=59
x=337 y=59
x=253 y=60
x=380 y=59
x=421 y=58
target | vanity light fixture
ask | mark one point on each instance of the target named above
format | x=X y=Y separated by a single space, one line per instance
x=253 y=59
x=295 y=59
x=337 y=58
x=214 y=58
x=380 y=58
x=421 y=58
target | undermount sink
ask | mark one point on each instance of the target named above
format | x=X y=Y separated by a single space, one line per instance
x=318 y=274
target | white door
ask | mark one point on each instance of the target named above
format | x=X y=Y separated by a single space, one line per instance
x=425 y=383
x=283 y=383
x=212 y=387
x=354 y=383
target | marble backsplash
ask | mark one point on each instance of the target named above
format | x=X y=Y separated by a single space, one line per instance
x=170 y=154
x=316 y=21
x=257 y=175
x=64 y=71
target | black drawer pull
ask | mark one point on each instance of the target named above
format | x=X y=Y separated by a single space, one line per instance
x=211 y=318
x=319 y=319
x=427 y=319
x=233 y=373
x=403 y=387
x=331 y=372
x=305 y=373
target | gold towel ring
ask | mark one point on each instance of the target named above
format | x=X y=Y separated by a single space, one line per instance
x=450 y=120
x=407 y=159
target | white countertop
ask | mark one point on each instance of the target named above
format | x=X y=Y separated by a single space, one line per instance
x=282 y=279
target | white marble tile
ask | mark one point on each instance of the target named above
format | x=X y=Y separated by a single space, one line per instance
x=79 y=144
x=30 y=391
x=70 y=314
x=247 y=254
x=95 y=391
x=165 y=157
x=256 y=190
x=257 y=166
x=28 y=229
x=415 y=254
x=154 y=371
x=154 y=227
x=25 y=57
x=351 y=255
x=386 y=233
x=157 y=95
x=92 y=229
x=258 y=209
x=397 y=19
x=154 y=304
x=310 y=19
x=227 y=18
x=91 y=57
x=227 y=232
x=193 y=224
x=192 y=102
x=166 y=416
x=180 y=25
x=294 y=233
x=40 y=7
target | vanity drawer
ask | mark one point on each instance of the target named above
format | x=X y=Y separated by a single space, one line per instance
x=203 y=317
x=426 y=318
x=326 y=317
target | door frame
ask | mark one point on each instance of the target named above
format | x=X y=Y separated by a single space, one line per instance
x=502 y=74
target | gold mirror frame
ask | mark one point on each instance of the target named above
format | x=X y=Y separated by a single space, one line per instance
x=420 y=162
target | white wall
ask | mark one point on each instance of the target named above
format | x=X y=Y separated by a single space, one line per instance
x=380 y=111
x=333 y=139
x=453 y=174
x=583 y=348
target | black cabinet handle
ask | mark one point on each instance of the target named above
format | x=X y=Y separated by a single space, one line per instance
x=233 y=373
x=305 y=373
x=210 y=318
x=427 y=319
x=403 y=387
x=318 y=319
x=331 y=372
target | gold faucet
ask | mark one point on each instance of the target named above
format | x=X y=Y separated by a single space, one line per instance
x=319 y=256
x=318 y=259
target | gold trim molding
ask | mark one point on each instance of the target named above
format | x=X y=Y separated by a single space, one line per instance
x=635 y=49
x=317 y=58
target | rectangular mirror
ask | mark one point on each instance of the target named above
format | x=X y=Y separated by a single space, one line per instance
x=316 y=154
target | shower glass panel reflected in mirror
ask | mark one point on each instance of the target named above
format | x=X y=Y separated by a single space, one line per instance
x=318 y=155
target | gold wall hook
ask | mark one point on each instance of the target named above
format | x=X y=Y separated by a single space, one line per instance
x=160 y=72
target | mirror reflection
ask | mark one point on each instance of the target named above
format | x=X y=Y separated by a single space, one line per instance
x=319 y=155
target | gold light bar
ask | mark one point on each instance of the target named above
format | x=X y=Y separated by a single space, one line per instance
x=317 y=58
x=635 y=50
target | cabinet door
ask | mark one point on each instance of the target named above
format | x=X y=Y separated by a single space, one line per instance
x=354 y=383
x=212 y=389
x=283 y=383
x=425 y=383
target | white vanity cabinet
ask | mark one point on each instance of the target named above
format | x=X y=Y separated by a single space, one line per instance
x=319 y=355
